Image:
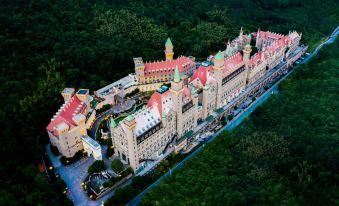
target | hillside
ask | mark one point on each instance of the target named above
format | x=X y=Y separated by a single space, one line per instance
x=47 y=45
x=286 y=153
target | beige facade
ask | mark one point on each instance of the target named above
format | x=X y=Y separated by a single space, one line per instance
x=143 y=136
x=69 y=124
x=170 y=114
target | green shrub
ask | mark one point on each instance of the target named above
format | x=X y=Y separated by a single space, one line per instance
x=97 y=166
x=117 y=166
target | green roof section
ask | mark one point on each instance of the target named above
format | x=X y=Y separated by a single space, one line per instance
x=112 y=123
x=248 y=46
x=219 y=56
x=176 y=75
x=193 y=91
x=163 y=114
x=130 y=118
x=168 y=42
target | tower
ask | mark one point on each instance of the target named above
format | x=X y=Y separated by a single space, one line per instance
x=169 y=49
x=67 y=93
x=139 y=67
x=229 y=50
x=246 y=57
x=195 y=104
x=217 y=70
x=241 y=34
x=130 y=125
x=112 y=125
x=177 y=90
x=257 y=41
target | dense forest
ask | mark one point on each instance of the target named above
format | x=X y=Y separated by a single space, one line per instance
x=46 y=45
x=286 y=153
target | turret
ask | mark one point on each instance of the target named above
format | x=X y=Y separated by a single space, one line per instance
x=241 y=34
x=247 y=53
x=139 y=67
x=177 y=83
x=83 y=95
x=218 y=61
x=229 y=50
x=169 y=49
x=218 y=73
x=130 y=125
x=246 y=57
x=257 y=43
x=67 y=93
x=176 y=92
x=112 y=125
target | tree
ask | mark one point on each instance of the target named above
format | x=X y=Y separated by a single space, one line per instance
x=97 y=166
x=117 y=165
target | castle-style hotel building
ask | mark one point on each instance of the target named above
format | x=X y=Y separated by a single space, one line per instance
x=196 y=91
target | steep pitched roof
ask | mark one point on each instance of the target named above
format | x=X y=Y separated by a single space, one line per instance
x=168 y=66
x=163 y=102
x=232 y=63
x=168 y=42
x=73 y=107
x=202 y=74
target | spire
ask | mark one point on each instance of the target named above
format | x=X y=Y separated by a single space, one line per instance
x=112 y=123
x=193 y=91
x=168 y=42
x=130 y=118
x=219 y=56
x=176 y=75
x=241 y=32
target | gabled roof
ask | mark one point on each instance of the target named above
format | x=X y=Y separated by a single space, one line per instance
x=71 y=108
x=168 y=66
x=162 y=101
x=232 y=63
x=186 y=95
x=201 y=74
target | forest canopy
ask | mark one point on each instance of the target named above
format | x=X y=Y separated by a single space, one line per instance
x=46 y=45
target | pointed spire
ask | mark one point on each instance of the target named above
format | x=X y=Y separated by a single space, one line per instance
x=112 y=123
x=176 y=75
x=241 y=32
x=193 y=91
x=168 y=42
x=218 y=56
x=130 y=118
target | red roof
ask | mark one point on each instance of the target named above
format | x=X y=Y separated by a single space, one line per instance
x=256 y=57
x=157 y=100
x=201 y=74
x=66 y=113
x=167 y=66
x=267 y=34
x=281 y=43
x=232 y=63
x=186 y=95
